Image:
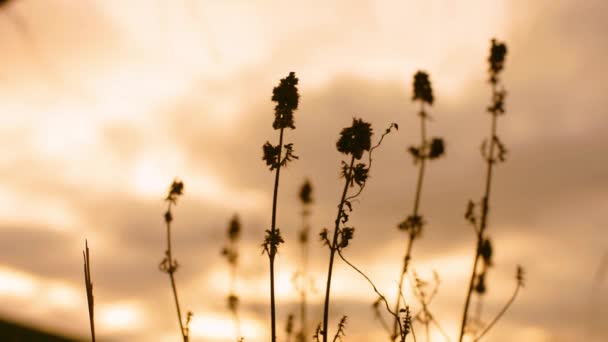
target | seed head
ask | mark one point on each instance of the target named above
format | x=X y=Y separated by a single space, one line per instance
x=422 y=88
x=498 y=51
x=355 y=139
x=286 y=96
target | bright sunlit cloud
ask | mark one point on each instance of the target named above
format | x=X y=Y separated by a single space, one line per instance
x=222 y=328
x=16 y=284
x=120 y=317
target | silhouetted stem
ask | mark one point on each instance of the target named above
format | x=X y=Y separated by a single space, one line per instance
x=273 y=228
x=304 y=289
x=484 y=218
x=171 y=271
x=89 y=288
x=408 y=251
x=394 y=314
x=500 y=314
x=333 y=248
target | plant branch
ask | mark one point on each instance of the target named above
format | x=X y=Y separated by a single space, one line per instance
x=273 y=227
x=333 y=248
x=500 y=314
x=412 y=237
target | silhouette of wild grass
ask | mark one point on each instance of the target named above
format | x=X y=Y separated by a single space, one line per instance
x=355 y=142
x=493 y=151
x=169 y=264
x=287 y=98
x=231 y=253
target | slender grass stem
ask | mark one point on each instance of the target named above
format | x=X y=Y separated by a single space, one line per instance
x=273 y=227
x=500 y=314
x=171 y=270
x=89 y=288
x=408 y=251
x=484 y=217
x=333 y=248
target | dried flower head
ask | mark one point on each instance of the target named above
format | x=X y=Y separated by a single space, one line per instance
x=233 y=302
x=480 y=285
x=306 y=192
x=355 y=139
x=176 y=190
x=413 y=225
x=289 y=324
x=422 y=88
x=234 y=228
x=498 y=51
x=520 y=275
x=286 y=96
x=485 y=250
x=436 y=148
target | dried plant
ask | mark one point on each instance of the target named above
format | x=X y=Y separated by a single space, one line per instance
x=493 y=151
x=428 y=149
x=303 y=281
x=353 y=141
x=89 y=287
x=425 y=297
x=231 y=253
x=289 y=327
x=287 y=98
x=404 y=323
x=169 y=264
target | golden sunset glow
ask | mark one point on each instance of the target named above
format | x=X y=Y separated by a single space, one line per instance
x=104 y=103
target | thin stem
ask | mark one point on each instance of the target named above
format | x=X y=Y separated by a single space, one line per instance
x=406 y=260
x=271 y=254
x=408 y=252
x=304 y=275
x=445 y=335
x=333 y=248
x=394 y=314
x=500 y=314
x=484 y=217
x=171 y=271
x=89 y=288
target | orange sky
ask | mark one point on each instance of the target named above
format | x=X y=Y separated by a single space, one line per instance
x=103 y=103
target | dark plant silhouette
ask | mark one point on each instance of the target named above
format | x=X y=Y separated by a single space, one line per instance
x=302 y=279
x=402 y=317
x=519 y=277
x=427 y=150
x=231 y=253
x=353 y=141
x=89 y=287
x=287 y=98
x=169 y=265
x=425 y=297
x=289 y=327
x=493 y=151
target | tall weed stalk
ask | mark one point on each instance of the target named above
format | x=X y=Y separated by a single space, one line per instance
x=493 y=152
x=353 y=142
x=169 y=264
x=287 y=98
x=428 y=149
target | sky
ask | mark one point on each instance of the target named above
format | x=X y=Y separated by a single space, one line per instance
x=104 y=103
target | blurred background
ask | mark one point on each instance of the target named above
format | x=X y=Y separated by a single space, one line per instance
x=104 y=103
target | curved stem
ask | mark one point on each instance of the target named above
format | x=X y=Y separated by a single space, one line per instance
x=500 y=314
x=333 y=249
